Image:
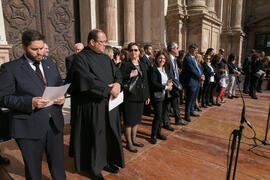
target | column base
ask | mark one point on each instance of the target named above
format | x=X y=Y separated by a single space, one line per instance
x=4 y=53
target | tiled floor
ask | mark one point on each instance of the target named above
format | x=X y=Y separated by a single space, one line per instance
x=194 y=152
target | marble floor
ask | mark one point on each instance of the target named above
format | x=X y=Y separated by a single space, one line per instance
x=198 y=151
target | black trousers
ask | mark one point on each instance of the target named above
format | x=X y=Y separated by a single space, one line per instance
x=205 y=94
x=159 y=112
x=247 y=82
x=32 y=151
x=253 y=86
x=212 y=90
x=174 y=103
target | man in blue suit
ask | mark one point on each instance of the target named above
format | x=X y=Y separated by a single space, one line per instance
x=192 y=80
x=35 y=127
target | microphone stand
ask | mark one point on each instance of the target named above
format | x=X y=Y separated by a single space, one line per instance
x=263 y=142
x=237 y=134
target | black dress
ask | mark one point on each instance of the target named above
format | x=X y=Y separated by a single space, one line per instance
x=134 y=102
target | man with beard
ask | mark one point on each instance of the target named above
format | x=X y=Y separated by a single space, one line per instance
x=95 y=140
x=35 y=127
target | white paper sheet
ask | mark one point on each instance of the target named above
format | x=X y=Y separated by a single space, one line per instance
x=116 y=101
x=53 y=93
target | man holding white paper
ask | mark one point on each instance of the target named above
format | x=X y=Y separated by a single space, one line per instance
x=35 y=127
x=95 y=140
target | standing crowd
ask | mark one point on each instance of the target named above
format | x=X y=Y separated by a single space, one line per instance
x=153 y=81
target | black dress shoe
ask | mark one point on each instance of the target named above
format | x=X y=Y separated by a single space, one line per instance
x=230 y=97
x=134 y=150
x=194 y=115
x=218 y=104
x=209 y=104
x=96 y=177
x=181 y=122
x=254 y=97
x=138 y=144
x=168 y=127
x=187 y=119
x=153 y=140
x=198 y=109
x=235 y=97
x=161 y=136
x=204 y=106
x=259 y=91
x=4 y=161
x=111 y=168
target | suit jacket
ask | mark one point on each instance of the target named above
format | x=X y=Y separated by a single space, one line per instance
x=68 y=61
x=156 y=80
x=142 y=88
x=19 y=84
x=149 y=62
x=207 y=73
x=192 y=75
x=247 y=65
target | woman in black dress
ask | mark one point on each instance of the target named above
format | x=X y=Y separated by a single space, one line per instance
x=160 y=86
x=134 y=100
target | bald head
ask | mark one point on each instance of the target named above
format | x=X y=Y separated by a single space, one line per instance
x=78 y=47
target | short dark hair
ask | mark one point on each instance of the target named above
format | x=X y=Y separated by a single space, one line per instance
x=254 y=57
x=132 y=44
x=209 y=50
x=31 y=35
x=115 y=52
x=192 y=47
x=93 y=34
x=170 y=46
x=181 y=53
x=147 y=46
x=231 y=57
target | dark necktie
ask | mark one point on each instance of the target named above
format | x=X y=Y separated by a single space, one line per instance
x=38 y=71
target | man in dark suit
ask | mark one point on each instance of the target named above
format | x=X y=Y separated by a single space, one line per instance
x=149 y=61
x=35 y=127
x=77 y=48
x=247 y=70
x=173 y=102
x=192 y=80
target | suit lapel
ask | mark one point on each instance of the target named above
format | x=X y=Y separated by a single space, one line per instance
x=46 y=68
x=30 y=72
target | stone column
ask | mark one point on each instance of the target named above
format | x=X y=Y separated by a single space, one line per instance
x=88 y=18
x=196 y=6
x=210 y=5
x=129 y=21
x=237 y=7
x=110 y=12
x=4 y=47
x=175 y=17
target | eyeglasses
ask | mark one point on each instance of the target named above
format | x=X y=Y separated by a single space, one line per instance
x=101 y=42
x=135 y=50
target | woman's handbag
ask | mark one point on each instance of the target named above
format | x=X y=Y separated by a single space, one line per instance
x=177 y=85
x=159 y=96
x=131 y=84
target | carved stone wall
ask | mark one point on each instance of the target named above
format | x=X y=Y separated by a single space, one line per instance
x=53 y=18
